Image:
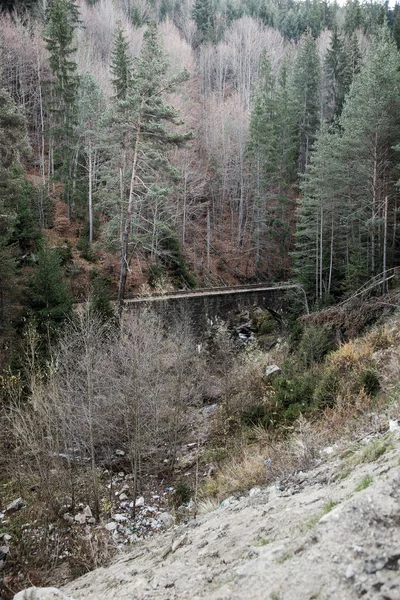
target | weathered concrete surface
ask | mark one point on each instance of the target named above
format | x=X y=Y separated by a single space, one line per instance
x=203 y=306
x=275 y=545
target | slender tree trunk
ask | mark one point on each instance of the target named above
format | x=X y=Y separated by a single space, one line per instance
x=385 y=232
x=320 y=254
x=90 y=195
x=331 y=259
x=394 y=230
x=374 y=202
x=208 y=236
x=127 y=229
x=42 y=138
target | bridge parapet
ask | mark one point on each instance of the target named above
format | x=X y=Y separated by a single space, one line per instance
x=203 y=306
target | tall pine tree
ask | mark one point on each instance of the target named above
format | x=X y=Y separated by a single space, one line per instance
x=62 y=18
x=120 y=65
x=347 y=227
x=307 y=83
x=143 y=132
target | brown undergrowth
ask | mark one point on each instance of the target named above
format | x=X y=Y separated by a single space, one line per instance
x=364 y=395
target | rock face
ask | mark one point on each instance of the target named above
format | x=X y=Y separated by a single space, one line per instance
x=320 y=535
x=35 y=593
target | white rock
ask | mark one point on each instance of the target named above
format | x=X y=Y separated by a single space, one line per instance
x=15 y=505
x=328 y=450
x=68 y=518
x=35 y=593
x=80 y=518
x=87 y=512
x=166 y=520
x=394 y=425
x=139 y=502
x=228 y=501
x=271 y=369
x=350 y=572
x=254 y=491
x=120 y=518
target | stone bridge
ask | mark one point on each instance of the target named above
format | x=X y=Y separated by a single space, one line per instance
x=204 y=305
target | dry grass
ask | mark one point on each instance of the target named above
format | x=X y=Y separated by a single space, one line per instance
x=353 y=415
x=246 y=465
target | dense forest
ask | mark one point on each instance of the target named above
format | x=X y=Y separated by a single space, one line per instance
x=168 y=143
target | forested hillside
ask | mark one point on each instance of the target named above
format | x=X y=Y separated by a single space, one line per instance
x=164 y=142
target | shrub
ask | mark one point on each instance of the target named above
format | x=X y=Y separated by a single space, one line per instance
x=255 y=415
x=100 y=303
x=172 y=257
x=65 y=253
x=293 y=395
x=85 y=249
x=156 y=276
x=327 y=388
x=182 y=493
x=314 y=345
x=369 y=380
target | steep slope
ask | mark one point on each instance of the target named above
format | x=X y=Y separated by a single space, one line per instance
x=333 y=532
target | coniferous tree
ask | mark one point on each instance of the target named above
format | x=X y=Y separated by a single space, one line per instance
x=120 y=65
x=48 y=300
x=286 y=124
x=263 y=156
x=204 y=18
x=353 y=17
x=307 y=85
x=371 y=127
x=142 y=133
x=13 y=145
x=62 y=18
x=348 y=212
x=338 y=76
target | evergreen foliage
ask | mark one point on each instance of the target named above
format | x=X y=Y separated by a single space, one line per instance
x=339 y=73
x=47 y=300
x=120 y=65
x=142 y=124
x=204 y=18
x=307 y=82
x=347 y=214
x=100 y=303
x=18 y=230
x=62 y=18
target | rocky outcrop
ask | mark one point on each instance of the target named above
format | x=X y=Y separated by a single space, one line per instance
x=329 y=533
